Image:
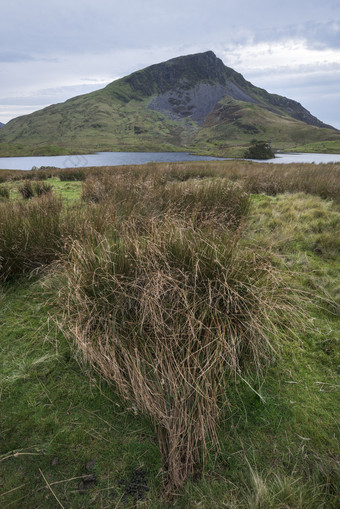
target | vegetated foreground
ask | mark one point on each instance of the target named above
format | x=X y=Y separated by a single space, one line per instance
x=202 y=301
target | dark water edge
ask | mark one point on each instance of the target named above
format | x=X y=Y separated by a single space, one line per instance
x=129 y=158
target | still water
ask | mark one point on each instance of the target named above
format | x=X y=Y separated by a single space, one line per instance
x=122 y=158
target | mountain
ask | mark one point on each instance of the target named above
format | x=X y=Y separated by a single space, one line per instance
x=192 y=102
x=1 y=125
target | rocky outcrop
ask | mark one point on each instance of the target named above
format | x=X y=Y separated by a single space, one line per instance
x=196 y=102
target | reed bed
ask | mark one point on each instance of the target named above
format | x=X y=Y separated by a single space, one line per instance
x=322 y=180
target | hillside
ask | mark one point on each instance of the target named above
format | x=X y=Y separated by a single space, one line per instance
x=192 y=103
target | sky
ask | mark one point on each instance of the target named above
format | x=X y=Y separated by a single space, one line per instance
x=51 y=50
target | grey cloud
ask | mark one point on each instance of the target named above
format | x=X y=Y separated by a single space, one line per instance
x=322 y=35
x=57 y=26
x=50 y=95
x=318 y=35
x=13 y=56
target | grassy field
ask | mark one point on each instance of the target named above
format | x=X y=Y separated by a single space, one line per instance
x=239 y=258
x=330 y=147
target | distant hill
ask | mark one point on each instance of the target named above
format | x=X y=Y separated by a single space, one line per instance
x=1 y=124
x=192 y=102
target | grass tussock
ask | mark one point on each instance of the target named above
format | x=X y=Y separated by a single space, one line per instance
x=40 y=188
x=151 y=196
x=274 y=492
x=168 y=315
x=322 y=180
x=30 y=235
x=70 y=174
x=299 y=220
x=26 y=190
x=4 y=192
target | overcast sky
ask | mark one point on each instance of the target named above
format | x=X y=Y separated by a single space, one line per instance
x=51 y=50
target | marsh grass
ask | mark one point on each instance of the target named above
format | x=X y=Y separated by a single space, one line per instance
x=271 y=492
x=158 y=296
x=30 y=235
x=322 y=179
x=41 y=187
x=71 y=174
x=26 y=190
x=167 y=314
x=4 y=192
x=153 y=195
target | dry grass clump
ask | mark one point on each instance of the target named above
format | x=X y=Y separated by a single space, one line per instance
x=300 y=220
x=4 y=192
x=70 y=174
x=167 y=314
x=322 y=180
x=26 y=190
x=30 y=234
x=282 y=492
x=151 y=195
x=40 y=188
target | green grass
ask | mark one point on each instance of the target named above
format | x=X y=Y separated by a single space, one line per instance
x=69 y=190
x=19 y=149
x=331 y=147
x=278 y=441
x=50 y=409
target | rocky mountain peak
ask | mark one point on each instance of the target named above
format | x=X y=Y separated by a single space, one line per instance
x=180 y=72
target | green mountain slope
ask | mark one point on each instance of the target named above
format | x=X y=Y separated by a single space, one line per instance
x=193 y=103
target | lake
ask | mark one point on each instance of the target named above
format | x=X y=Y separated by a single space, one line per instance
x=125 y=158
